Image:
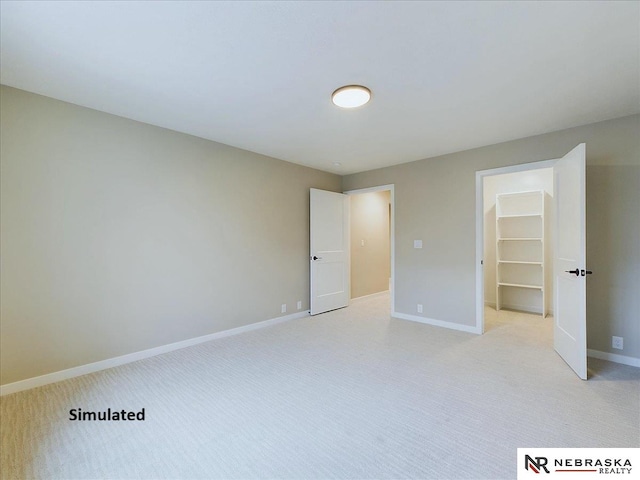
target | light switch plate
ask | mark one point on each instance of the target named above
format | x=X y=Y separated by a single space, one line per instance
x=417 y=244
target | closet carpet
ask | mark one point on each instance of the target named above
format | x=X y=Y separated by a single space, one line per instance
x=345 y=395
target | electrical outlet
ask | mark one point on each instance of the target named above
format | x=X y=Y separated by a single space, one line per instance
x=299 y=304
x=284 y=308
x=617 y=342
x=419 y=308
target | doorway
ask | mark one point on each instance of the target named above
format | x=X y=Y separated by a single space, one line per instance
x=372 y=241
x=512 y=179
x=569 y=249
x=527 y=177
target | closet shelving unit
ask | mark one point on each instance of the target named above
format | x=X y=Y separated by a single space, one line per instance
x=520 y=244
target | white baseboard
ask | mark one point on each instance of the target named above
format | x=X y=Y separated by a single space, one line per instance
x=520 y=308
x=133 y=357
x=614 y=357
x=436 y=323
x=377 y=294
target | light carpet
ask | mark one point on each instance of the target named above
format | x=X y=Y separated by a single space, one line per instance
x=348 y=394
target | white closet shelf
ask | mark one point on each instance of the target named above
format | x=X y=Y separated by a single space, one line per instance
x=520 y=285
x=510 y=239
x=520 y=262
x=520 y=234
x=524 y=215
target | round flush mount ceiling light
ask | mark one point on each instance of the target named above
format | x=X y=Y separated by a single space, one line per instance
x=351 y=96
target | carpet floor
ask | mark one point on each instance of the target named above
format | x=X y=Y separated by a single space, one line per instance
x=349 y=394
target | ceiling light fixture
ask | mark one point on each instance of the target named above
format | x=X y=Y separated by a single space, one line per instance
x=351 y=96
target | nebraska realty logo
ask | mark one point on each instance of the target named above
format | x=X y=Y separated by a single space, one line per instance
x=582 y=463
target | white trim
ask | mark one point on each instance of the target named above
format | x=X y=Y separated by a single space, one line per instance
x=133 y=357
x=480 y=174
x=532 y=309
x=614 y=357
x=392 y=199
x=523 y=309
x=379 y=188
x=436 y=323
x=364 y=297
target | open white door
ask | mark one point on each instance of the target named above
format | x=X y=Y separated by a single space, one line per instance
x=329 y=234
x=569 y=266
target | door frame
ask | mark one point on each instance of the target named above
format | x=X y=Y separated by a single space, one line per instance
x=383 y=188
x=480 y=175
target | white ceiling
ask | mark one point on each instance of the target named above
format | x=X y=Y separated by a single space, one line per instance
x=445 y=76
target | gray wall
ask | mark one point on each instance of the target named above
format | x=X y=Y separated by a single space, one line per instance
x=117 y=236
x=371 y=262
x=435 y=202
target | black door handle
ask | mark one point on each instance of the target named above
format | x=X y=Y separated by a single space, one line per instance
x=585 y=272
x=576 y=272
x=316 y=258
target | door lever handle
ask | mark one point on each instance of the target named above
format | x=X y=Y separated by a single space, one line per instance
x=576 y=272
x=316 y=258
x=585 y=272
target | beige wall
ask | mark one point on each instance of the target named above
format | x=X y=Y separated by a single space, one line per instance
x=370 y=243
x=435 y=202
x=538 y=179
x=117 y=236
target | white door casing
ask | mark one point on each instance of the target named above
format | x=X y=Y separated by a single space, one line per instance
x=329 y=251
x=570 y=325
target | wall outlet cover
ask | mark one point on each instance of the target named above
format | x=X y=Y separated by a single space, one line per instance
x=417 y=244
x=419 y=308
x=284 y=308
x=617 y=343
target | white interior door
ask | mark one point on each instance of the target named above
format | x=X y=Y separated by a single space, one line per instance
x=570 y=322
x=329 y=257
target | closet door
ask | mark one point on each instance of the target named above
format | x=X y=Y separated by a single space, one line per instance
x=570 y=322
